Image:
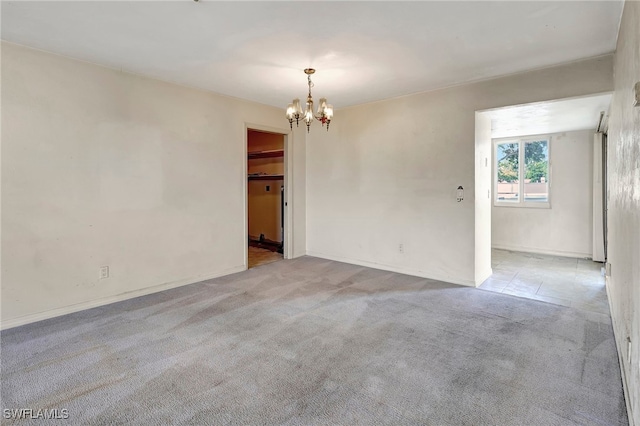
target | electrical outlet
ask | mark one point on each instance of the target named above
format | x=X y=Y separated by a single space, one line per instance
x=607 y=269
x=104 y=272
x=401 y=248
x=629 y=349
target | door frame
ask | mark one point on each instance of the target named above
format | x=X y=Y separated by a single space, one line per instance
x=287 y=250
x=605 y=190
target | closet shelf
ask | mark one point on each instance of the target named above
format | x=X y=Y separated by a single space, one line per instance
x=266 y=177
x=266 y=154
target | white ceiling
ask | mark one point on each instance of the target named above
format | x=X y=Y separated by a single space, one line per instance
x=363 y=51
x=548 y=117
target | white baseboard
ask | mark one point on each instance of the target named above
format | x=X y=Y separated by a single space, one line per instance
x=297 y=254
x=563 y=253
x=392 y=268
x=484 y=277
x=64 y=310
x=620 y=340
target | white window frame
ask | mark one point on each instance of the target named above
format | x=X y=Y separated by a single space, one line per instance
x=521 y=203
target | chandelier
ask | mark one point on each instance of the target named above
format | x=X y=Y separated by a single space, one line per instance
x=295 y=113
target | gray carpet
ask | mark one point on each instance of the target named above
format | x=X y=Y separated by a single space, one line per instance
x=311 y=341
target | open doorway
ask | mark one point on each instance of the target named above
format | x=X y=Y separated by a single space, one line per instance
x=266 y=197
x=536 y=229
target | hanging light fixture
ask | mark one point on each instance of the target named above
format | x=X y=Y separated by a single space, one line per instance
x=295 y=113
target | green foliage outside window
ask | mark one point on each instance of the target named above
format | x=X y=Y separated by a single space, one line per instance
x=536 y=162
x=508 y=157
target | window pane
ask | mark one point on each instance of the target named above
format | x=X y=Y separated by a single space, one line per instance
x=507 y=156
x=536 y=171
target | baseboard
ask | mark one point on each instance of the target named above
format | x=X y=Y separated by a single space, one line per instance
x=563 y=253
x=619 y=346
x=298 y=253
x=391 y=268
x=484 y=277
x=52 y=313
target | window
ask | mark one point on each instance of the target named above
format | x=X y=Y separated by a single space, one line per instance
x=522 y=171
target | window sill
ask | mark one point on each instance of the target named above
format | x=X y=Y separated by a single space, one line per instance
x=525 y=205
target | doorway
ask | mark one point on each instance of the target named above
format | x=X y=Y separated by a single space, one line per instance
x=536 y=229
x=266 y=197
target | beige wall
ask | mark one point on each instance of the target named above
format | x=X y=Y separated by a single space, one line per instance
x=623 y=285
x=386 y=173
x=566 y=228
x=264 y=209
x=264 y=206
x=101 y=167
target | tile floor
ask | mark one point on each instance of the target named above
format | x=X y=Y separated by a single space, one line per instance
x=560 y=280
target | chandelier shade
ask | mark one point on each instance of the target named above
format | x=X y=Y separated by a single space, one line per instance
x=295 y=113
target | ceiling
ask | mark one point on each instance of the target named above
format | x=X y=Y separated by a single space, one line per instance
x=363 y=51
x=548 y=117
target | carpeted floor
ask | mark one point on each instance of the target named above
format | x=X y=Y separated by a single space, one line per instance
x=311 y=341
